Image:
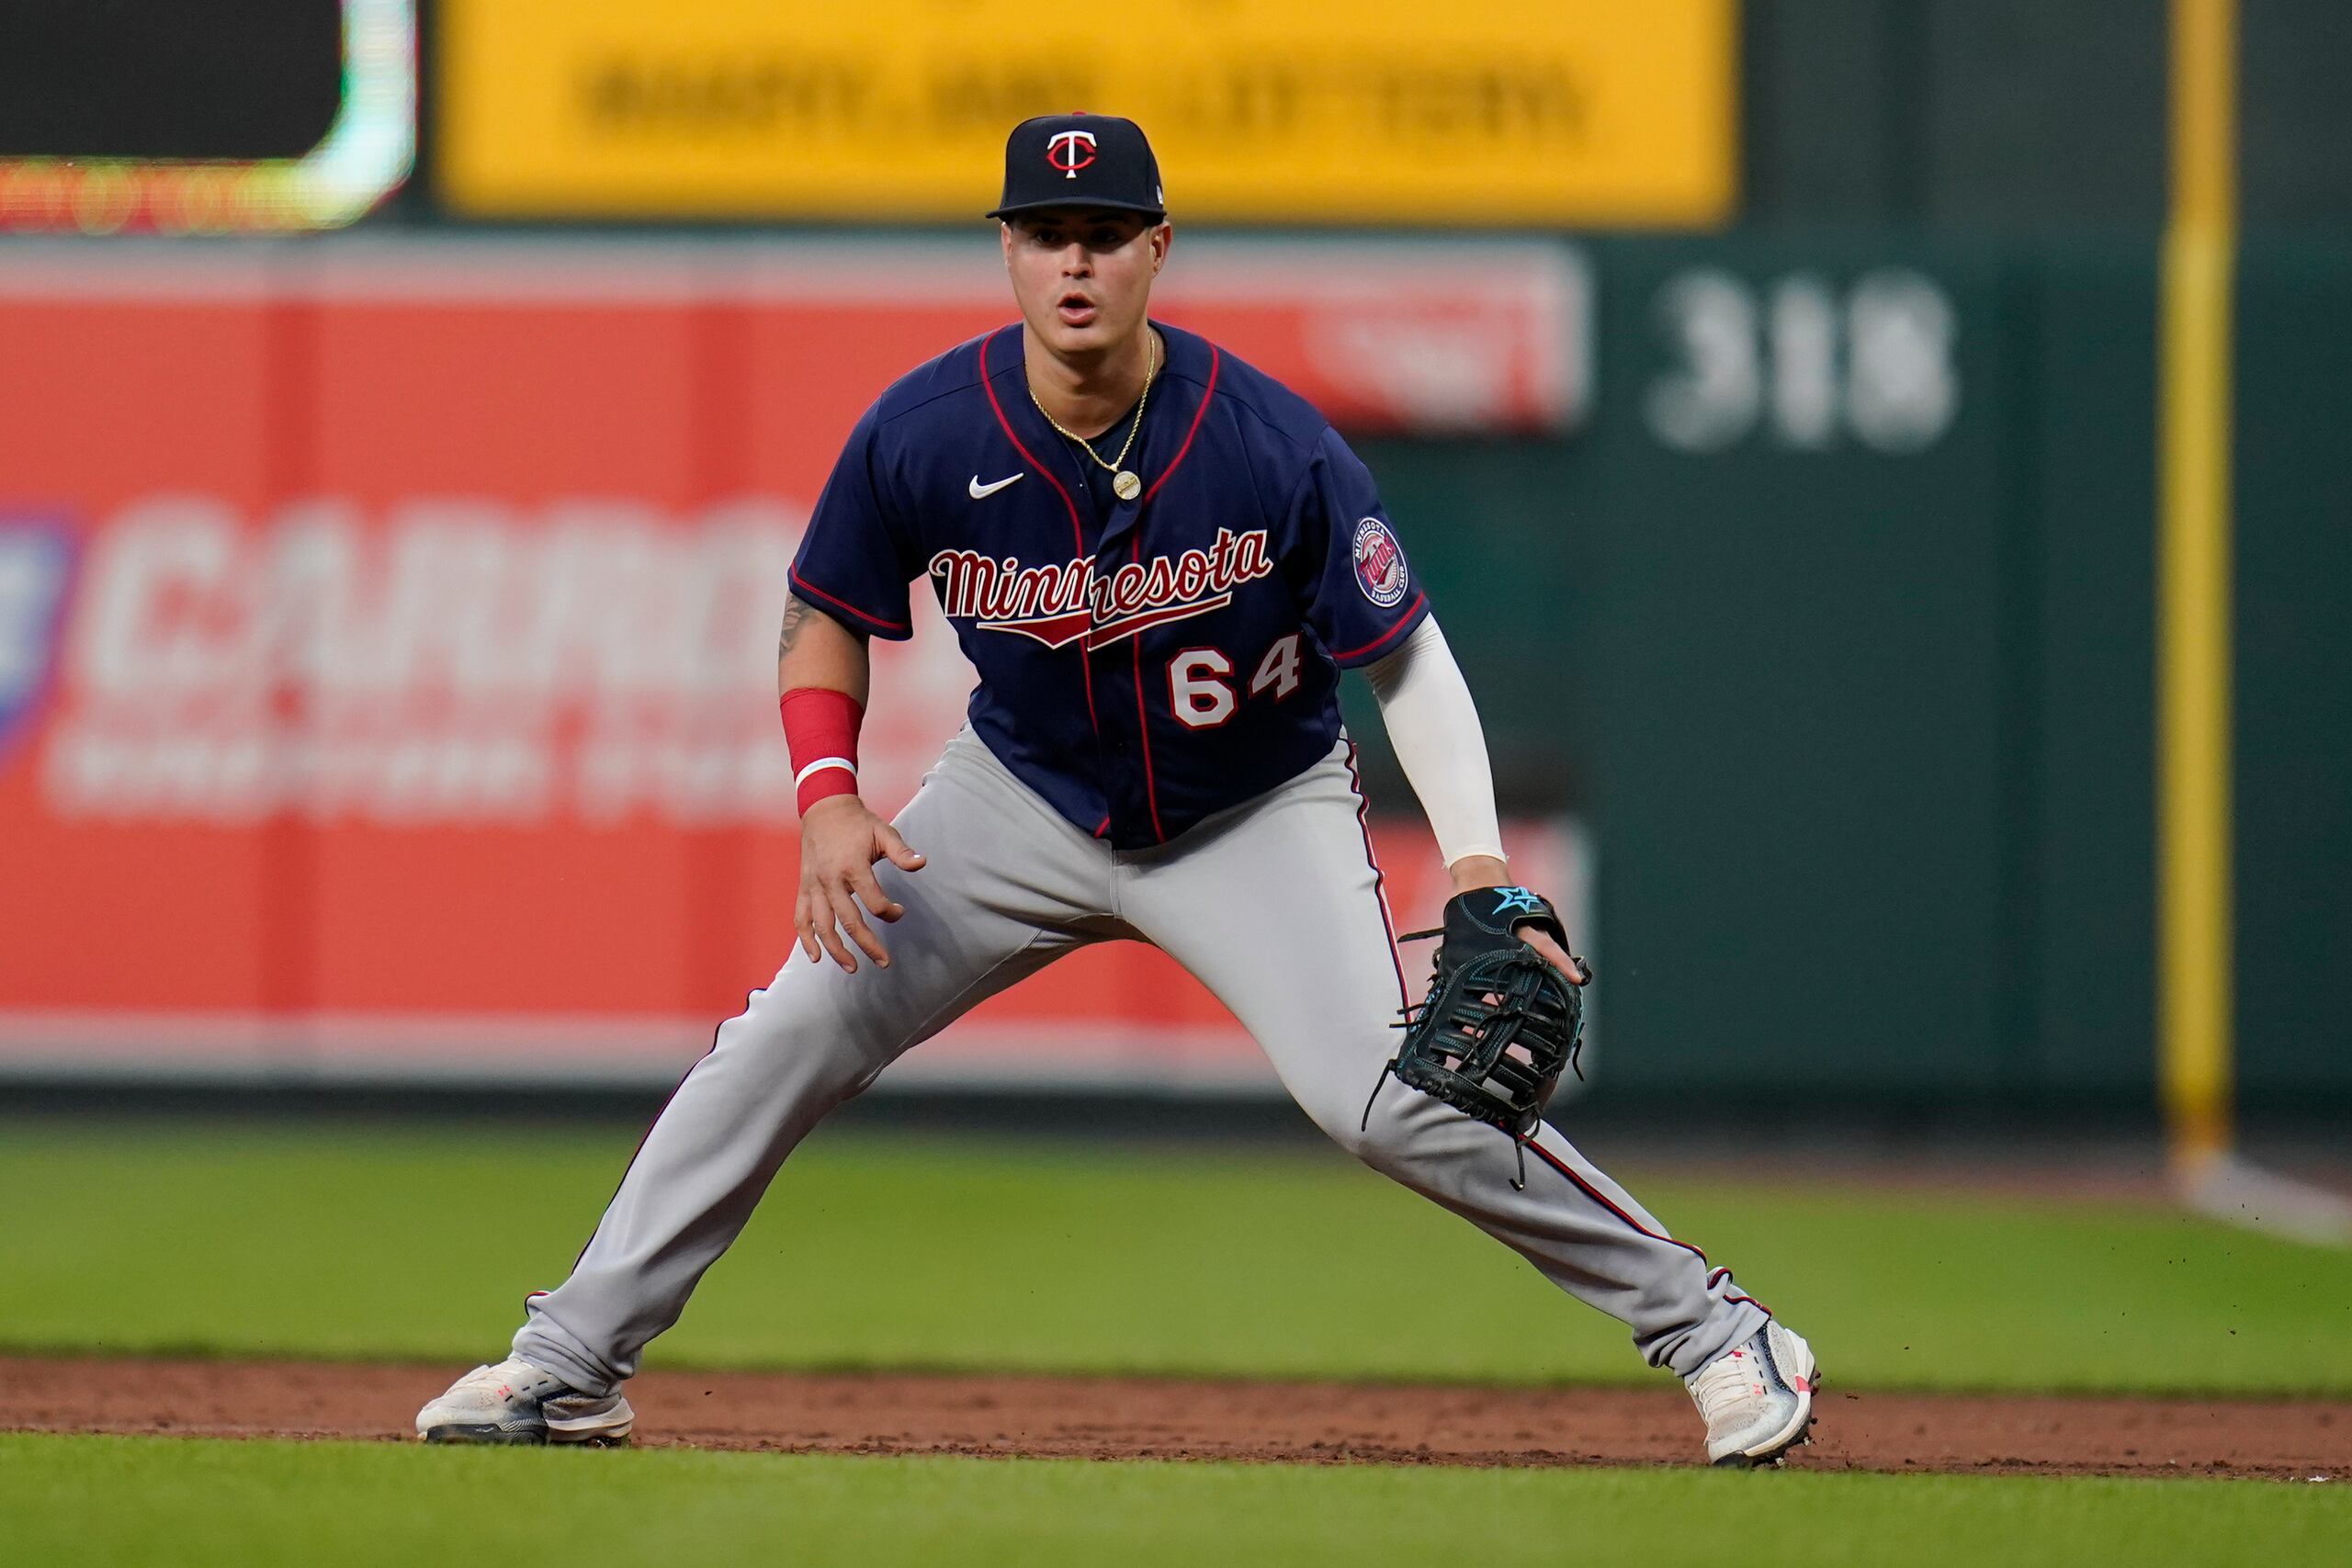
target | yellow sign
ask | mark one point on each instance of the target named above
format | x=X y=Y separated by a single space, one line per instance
x=1580 y=112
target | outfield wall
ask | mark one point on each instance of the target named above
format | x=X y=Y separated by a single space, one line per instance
x=384 y=652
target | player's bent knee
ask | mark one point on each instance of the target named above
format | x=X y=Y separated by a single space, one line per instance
x=802 y=1016
x=1382 y=1139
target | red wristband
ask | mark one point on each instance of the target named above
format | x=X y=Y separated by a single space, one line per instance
x=820 y=728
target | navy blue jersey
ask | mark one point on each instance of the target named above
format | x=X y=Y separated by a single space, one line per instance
x=1142 y=664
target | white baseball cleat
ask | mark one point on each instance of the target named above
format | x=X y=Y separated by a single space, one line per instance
x=514 y=1401
x=1757 y=1398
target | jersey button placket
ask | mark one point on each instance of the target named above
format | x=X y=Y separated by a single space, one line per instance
x=1122 y=781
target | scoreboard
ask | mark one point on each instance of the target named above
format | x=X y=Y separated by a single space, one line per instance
x=235 y=116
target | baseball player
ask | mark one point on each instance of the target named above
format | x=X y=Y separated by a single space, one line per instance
x=1159 y=560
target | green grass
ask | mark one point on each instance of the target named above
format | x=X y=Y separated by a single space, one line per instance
x=144 y=1501
x=419 y=1244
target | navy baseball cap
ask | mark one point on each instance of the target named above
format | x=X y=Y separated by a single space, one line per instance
x=1080 y=160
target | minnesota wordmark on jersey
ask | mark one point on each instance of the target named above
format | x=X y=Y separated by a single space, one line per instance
x=1059 y=604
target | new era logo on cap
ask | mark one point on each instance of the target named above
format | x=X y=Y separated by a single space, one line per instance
x=1080 y=160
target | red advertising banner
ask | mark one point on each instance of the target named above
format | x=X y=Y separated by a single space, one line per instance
x=387 y=640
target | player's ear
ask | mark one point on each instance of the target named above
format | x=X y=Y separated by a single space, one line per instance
x=1004 y=241
x=1162 y=236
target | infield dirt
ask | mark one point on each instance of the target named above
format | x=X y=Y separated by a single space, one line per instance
x=1307 y=1423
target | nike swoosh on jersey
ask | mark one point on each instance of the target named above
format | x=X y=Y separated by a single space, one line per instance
x=979 y=491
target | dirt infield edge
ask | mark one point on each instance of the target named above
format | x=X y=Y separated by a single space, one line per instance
x=1276 y=1422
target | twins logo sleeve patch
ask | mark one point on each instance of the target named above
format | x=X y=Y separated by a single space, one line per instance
x=1380 y=564
x=1367 y=600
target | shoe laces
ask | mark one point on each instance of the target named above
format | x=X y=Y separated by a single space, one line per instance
x=1730 y=1379
x=514 y=1375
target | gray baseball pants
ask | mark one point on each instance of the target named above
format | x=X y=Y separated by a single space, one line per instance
x=1275 y=905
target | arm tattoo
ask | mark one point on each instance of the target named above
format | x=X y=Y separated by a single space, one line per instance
x=795 y=615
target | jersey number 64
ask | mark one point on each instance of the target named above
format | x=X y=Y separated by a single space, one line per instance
x=1199 y=691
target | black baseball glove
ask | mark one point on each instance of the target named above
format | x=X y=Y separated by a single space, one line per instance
x=1500 y=1023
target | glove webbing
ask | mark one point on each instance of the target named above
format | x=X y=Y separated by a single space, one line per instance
x=1492 y=1043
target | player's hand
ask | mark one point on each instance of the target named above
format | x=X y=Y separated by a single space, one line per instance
x=840 y=841
x=1484 y=870
x=1553 y=953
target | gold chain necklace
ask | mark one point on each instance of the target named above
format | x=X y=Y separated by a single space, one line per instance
x=1124 y=482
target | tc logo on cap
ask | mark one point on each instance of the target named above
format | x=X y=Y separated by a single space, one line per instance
x=1070 y=151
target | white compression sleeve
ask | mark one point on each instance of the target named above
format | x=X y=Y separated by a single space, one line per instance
x=1433 y=724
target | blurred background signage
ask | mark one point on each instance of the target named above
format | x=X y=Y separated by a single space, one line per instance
x=1482 y=111
x=377 y=599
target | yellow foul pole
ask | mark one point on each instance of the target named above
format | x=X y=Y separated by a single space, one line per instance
x=2195 y=938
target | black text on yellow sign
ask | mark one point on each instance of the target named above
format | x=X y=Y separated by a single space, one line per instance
x=1589 y=112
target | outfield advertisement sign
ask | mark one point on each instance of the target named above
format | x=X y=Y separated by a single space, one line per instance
x=386 y=651
x=1286 y=111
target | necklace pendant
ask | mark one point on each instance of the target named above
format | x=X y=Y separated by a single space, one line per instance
x=1125 y=485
